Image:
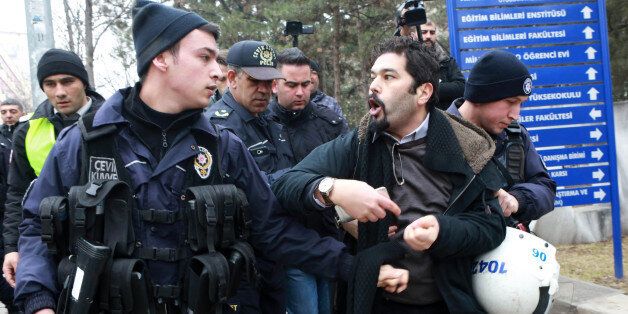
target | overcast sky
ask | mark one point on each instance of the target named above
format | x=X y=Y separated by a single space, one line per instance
x=12 y=16
x=12 y=20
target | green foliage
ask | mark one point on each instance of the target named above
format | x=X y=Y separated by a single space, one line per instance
x=362 y=24
x=344 y=53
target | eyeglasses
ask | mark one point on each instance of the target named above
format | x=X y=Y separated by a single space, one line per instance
x=424 y=32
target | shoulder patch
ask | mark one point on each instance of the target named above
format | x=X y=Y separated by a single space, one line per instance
x=221 y=113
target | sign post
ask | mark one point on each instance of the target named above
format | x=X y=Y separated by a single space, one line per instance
x=569 y=115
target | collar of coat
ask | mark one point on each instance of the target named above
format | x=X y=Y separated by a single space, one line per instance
x=453 y=144
x=111 y=113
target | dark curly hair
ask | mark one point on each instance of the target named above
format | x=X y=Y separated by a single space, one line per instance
x=421 y=63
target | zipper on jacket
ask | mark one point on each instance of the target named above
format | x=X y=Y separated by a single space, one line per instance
x=164 y=140
x=459 y=194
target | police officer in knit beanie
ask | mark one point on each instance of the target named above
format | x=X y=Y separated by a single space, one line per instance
x=497 y=75
x=157 y=27
x=57 y=61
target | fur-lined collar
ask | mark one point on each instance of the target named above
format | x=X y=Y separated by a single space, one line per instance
x=475 y=144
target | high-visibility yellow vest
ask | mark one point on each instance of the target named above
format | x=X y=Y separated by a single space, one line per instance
x=39 y=140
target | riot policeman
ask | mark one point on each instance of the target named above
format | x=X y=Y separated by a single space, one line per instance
x=162 y=147
x=497 y=86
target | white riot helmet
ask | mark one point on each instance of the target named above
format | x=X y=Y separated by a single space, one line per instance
x=519 y=276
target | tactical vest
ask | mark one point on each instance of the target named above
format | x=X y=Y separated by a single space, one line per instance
x=512 y=160
x=39 y=140
x=212 y=256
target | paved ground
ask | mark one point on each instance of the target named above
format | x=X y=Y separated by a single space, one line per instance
x=575 y=296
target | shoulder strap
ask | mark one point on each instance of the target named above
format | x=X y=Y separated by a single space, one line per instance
x=514 y=153
x=99 y=154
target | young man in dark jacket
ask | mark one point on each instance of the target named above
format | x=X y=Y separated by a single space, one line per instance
x=436 y=168
x=498 y=85
x=63 y=78
x=308 y=126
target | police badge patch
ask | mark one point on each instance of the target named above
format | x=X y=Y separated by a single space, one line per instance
x=265 y=54
x=203 y=162
x=527 y=86
x=102 y=168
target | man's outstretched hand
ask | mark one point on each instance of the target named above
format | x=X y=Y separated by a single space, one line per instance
x=362 y=201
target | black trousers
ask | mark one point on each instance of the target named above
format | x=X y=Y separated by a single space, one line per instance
x=391 y=307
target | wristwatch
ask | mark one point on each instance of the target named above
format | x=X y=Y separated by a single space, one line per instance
x=325 y=187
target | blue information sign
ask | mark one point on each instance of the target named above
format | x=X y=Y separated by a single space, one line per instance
x=484 y=3
x=569 y=115
x=580 y=176
x=574 y=156
x=551 y=34
x=569 y=74
x=562 y=115
x=569 y=136
x=566 y=95
x=534 y=56
x=583 y=196
x=517 y=16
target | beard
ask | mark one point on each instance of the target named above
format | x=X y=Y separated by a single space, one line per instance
x=382 y=124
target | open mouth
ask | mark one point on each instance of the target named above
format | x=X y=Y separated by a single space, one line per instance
x=375 y=105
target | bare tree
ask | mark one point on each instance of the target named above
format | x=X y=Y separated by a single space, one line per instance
x=68 y=24
x=335 y=9
x=87 y=22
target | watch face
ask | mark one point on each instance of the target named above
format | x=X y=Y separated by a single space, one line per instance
x=325 y=185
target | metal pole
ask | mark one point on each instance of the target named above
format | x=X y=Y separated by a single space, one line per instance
x=40 y=39
x=615 y=206
x=295 y=40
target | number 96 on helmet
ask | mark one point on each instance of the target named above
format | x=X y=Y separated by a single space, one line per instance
x=519 y=276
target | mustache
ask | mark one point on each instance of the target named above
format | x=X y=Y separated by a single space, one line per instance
x=375 y=99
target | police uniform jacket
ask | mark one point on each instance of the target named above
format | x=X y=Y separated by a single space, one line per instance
x=159 y=185
x=264 y=138
x=21 y=172
x=537 y=191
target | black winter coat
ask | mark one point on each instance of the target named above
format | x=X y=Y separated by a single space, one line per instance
x=473 y=223
x=308 y=129
x=21 y=174
x=451 y=84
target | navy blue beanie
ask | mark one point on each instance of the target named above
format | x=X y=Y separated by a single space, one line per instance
x=157 y=27
x=497 y=75
x=58 y=61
